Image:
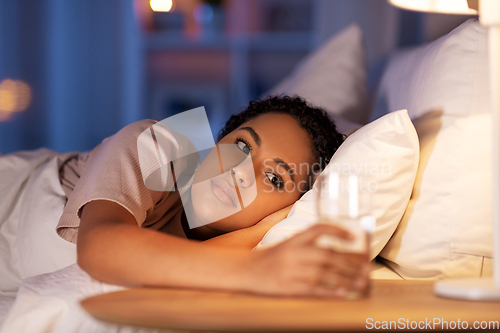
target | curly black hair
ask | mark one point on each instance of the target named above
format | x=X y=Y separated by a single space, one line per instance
x=321 y=129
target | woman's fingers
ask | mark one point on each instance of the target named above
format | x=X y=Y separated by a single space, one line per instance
x=314 y=275
x=306 y=290
x=306 y=251
x=324 y=269
x=299 y=267
x=347 y=265
x=324 y=284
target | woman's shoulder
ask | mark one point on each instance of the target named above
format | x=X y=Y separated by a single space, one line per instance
x=145 y=139
x=136 y=128
x=129 y=134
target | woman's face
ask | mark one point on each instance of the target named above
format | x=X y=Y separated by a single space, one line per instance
x=257 y=169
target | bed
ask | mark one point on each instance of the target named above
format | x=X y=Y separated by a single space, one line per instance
x=430 y=124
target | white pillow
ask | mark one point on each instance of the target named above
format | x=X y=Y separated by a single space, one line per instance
x=333 y=77
x=384 y=154
x=446 y=230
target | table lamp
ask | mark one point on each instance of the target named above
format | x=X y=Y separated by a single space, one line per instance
x=489 y=16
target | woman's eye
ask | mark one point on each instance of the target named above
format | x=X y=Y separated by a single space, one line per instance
x=275 y=180
x=244 y=147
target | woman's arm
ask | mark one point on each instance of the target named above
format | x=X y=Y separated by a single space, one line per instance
x=112 y=248
x=248 y=238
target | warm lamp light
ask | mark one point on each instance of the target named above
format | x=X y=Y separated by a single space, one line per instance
x=161 y=5
x=15 y=96
x=438 y=6
x=489 y=16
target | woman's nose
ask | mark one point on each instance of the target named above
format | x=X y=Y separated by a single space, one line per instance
x=244 y=173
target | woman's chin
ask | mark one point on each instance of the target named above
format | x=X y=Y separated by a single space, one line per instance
x=207 y=206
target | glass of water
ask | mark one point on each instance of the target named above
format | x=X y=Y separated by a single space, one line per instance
x=343 y=202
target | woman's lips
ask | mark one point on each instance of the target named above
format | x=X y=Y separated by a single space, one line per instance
x=224 y=192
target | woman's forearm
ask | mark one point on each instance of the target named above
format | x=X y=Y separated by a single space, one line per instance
x=113 y=249
x=124 y=254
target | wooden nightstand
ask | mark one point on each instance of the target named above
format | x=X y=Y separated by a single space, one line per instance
x=400 y=305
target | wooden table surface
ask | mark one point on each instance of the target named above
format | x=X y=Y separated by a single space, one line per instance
x=403 y=302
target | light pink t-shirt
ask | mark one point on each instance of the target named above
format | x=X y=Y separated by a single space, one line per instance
x=112 y=172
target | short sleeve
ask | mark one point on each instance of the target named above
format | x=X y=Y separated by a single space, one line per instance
x=113 y=172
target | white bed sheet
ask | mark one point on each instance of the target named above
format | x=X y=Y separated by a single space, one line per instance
x=35 y=263
x=5 y=305
x=50 y=303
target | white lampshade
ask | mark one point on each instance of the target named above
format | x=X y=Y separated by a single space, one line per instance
x=436 y=6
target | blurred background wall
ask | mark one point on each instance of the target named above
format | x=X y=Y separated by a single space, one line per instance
x=75 y=72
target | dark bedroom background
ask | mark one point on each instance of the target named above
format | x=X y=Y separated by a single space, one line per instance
x=75 y=72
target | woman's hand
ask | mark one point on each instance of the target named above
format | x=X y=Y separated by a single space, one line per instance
x=298 y=267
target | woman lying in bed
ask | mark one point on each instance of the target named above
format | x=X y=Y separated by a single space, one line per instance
x=110 y=200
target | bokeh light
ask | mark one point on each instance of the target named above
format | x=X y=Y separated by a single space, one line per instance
x=161 y=5
x=15 y=96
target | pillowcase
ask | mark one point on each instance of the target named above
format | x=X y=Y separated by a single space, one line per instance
x=447 y=227
x=384 y=155
x=334 y=78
